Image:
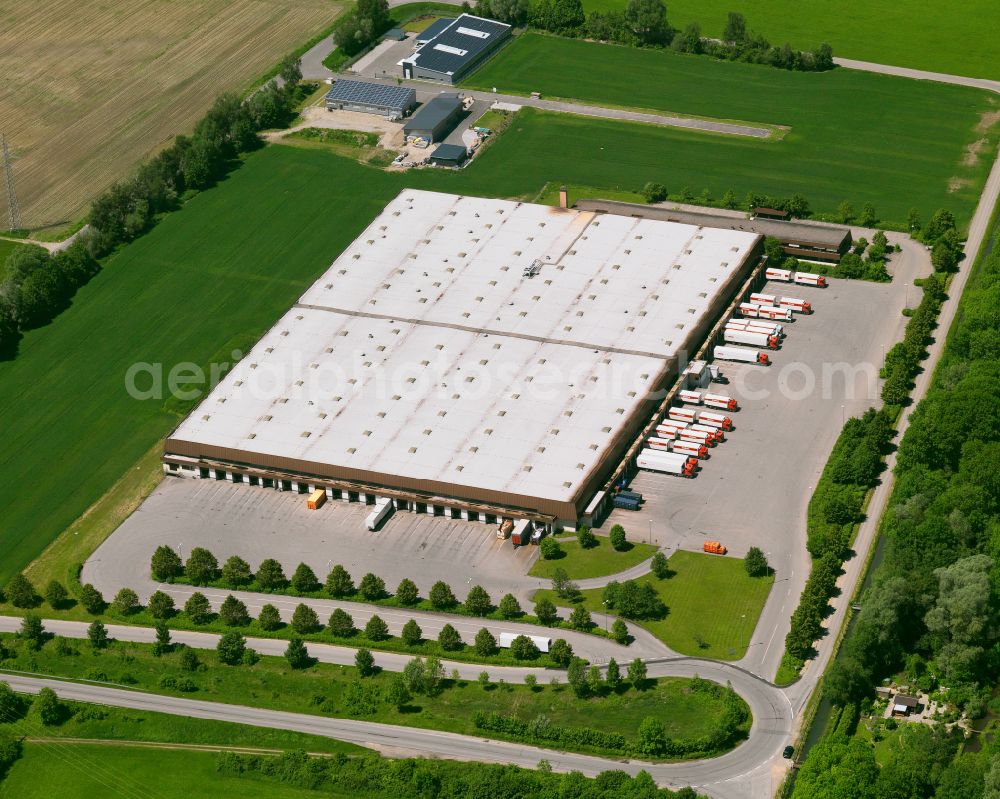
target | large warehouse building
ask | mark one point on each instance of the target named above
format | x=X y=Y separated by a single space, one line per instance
x=472 y=357
x=456 y=49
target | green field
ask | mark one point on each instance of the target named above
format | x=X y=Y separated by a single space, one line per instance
x=712 y=604
x=598 y=561
x=324 y=689
x=853 y=135
x=960 y=40
x=82 y=771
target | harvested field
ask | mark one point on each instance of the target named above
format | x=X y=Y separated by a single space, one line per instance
x=91 y=87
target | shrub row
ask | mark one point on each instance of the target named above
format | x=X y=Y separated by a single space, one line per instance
x=902 y=362
x=541 y=728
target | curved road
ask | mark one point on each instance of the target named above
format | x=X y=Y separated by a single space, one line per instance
x=771 y=722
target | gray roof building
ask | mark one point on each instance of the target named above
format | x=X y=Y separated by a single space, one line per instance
x=436 y=118
x=432 y=30
x=394 y=102
x=449 y=155
x=456 y=50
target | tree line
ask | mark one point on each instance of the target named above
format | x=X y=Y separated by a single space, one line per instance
x=442 y=779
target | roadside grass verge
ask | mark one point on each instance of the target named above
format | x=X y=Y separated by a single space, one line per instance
x=357 y=145
x=712 y=605
x=853 y=135
x=686 y=712
x=598 y=561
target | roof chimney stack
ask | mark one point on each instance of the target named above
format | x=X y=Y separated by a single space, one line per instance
x=563 y=197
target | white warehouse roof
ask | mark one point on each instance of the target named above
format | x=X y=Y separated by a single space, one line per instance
x=425 y=353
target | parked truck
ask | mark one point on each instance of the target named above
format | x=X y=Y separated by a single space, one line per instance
x=720 y=401
x=692 y=397
x=716 y=435
x=521 y=536
x=626 y=492
x=689 y=448
x=383 y=510
x=685 y=415
x=795 y=304
x=763 y=299
x=748 y=310
x=668 y=430
x=809 y=279
x=778 y=274
x=625 y=503
x=767 y=326
x=743 y=354
x=715 y=548
x=713 y=419
x=667 y=462
x=750 y=337
x=316 y=499
x=697 y=436
x=775 y=312
x=660 y=443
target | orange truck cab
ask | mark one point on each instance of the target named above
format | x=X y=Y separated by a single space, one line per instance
x=715 y=548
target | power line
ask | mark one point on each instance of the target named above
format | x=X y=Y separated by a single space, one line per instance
x=13 y=209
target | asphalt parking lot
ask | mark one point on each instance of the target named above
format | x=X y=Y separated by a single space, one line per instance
x=258 y=523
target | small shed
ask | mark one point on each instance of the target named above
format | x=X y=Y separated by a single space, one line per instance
x=903 y=705
x=393 y=102
x=394 y=35
x=449 y=155
x=435 y=119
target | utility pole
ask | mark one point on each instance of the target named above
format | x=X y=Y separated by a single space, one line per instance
x=13 y=209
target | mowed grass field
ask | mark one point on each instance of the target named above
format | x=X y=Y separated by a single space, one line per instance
x=598 y=561
x=92 y=86
x=712 y=603
x=86 y=771
x=853 y=135
x=940 y=37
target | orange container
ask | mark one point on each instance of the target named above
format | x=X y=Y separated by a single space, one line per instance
x=316 y=499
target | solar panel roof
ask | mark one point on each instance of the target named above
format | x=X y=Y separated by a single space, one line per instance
x=377 y=94
x=458 y=44
x=432 y=30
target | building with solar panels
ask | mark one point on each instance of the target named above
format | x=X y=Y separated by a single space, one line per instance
x=456 y=49
x=394 y=102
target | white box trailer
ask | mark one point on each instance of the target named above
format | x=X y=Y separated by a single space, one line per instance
x=689 y=448
x=668 y=463
x=663 y=444
x=383 y=510
x=774 y=312
x=720 y=401
x=778 y=274
x=732 y=336
x=689 y=396
x=757 y=326
x=697 y=436
x=718 y=420
x=794 y=304
x=717 y=436
x=543 y=643
x=668 y=430
x=763 y=299
x=809 y=279
x=680 y=414
x=748 y=310
x=742 y=354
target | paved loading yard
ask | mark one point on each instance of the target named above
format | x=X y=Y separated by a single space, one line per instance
x=259 y=523
x=754 y=489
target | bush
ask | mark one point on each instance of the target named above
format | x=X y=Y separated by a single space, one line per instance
x=654 y=192
x=231 y=648
x=659 y=565
x=97 y=634
x=233 y=612
x=91 y=600
x=545 y=612
x=478 y=602
x=411 y=633
x=449 y=639
x=20 y=592
x=126 y=602
x=270 y=575
x=55 y=594
x=561 y=652
x=372 y=587
x=550 y=549
x=580 y=619
x=197 y=608
x=441 y=596
x=339 y=583
x=51 y=710
x=304 y=619
x=296 y=654
x=165 y=564
x=376 y=629
x=509 y=607
x=236 y=572
x=755 y=563
x=32 y=631
x=161 y=605
x=407 y=593
x=341 y=624
x=619 y=631
x=634 y=600
x=617 y=536
x=201 y=567
x=486 y=644
x=523 y=648
x=586 y=537
x=269 y=619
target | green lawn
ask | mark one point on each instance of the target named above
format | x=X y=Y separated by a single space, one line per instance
x=325 y=689
x=82 y=771
x=961 y=40
x=598 y=561
x=121 y=724
x=893 y=142
x=713 y=605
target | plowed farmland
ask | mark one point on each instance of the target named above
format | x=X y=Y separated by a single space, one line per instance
x=91 y=86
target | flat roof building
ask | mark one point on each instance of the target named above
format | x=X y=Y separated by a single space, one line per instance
x=394 y=102
x=436 y=118
x=455 y=49
x=472 y=352
x=432 y=30
x=449 y=155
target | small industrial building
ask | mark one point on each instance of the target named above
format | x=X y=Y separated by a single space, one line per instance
x=447 y=53
x=393 y=102
x=453 y=155
x=435 y=119
x=469 y=357
x=394 y=35
x=903 y=705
